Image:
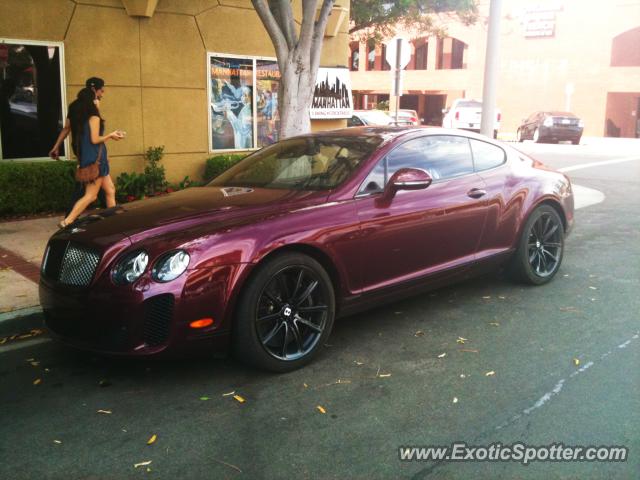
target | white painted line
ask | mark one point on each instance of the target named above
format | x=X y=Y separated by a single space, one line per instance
x=22 y=312
x=585 y=197
x=597 y=164
x=23 y=344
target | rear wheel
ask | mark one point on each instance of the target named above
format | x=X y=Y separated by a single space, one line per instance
x=285 y=314
x=540 y=248
x=519 y=136
x=536 y=136
x=576 y=141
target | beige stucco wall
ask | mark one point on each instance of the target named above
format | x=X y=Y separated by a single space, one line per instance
x=154 y=68
x=533 y=72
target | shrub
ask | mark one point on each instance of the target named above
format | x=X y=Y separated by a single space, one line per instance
x=153 y=171
x=218 y=164
x=35 y=187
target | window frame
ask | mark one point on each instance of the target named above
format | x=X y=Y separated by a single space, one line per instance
x=473 y=158
x=63 y=95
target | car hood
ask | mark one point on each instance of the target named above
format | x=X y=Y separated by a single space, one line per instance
x=215 y=207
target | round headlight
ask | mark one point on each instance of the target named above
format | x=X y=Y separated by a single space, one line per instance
x=129 y=269
x=170 y=266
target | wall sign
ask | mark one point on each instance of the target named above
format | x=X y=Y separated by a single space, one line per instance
x=332 y=94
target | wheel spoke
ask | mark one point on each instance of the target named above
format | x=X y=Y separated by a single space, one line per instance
x=548 y=253
x=298 y=284
x=315 y=308
x=271 y=316
x=297 y=337
x=277 y=303
x=284 y=289
x=309 y=290
x=552 y=245
x=307 y=323
x=272 y=333
x=550 y=232
x=544 y=261
x=286 y=340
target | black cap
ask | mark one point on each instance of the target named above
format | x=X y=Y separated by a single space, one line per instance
x=95 y=82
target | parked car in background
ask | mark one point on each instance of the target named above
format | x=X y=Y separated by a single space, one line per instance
x=363 y=118
x=466 y=114
x=405 y=118
x=551 y=127
x=311 y=228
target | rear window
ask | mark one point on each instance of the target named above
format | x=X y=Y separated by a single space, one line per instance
x=486 y=155
x=470 y=104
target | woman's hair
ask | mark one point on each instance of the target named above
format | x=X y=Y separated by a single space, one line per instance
x=79 y=112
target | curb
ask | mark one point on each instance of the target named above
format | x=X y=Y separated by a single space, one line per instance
x=21 y=312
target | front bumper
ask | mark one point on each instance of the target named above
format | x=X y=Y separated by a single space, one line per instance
x=143 y=319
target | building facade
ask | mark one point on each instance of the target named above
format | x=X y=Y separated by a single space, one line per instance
x=196 y=76
x=562 y=55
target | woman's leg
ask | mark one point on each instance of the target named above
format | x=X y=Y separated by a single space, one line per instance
x=90 y=194
x=109 y=190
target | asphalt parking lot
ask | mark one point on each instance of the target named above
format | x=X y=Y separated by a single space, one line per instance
x=481 y=362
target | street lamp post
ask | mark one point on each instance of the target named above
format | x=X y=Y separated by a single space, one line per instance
x=488 y=119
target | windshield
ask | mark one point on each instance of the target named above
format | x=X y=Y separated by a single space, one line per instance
x=304 y=163
x=470 y=104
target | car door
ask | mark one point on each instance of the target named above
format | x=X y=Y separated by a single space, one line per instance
x=425 y=231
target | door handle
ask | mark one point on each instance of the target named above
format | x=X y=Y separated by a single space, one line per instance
x=476 y=193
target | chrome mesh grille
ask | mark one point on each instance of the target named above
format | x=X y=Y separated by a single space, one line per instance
x=78 y=266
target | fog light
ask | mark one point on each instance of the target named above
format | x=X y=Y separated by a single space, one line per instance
x=203 y=322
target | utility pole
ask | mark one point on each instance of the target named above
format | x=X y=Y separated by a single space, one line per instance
x=488 y=119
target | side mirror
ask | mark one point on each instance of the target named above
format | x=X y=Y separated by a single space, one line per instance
x=406 y=179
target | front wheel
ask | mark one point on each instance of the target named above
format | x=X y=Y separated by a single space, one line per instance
x=519 y=136
x=285 y=313
x=536 y=136
x=539 y=253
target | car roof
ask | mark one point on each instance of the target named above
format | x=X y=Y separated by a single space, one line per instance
x=560 y=114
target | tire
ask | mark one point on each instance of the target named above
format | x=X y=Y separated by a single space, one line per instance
x=285 y=313
x=576 y=141
x=536 y=136
x=495 y=134
x=540 y=248
x=519 y=136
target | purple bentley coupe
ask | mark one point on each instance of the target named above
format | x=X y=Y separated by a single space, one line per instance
x=267 y=255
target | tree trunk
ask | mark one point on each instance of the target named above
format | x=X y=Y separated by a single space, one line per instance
x=295 y=96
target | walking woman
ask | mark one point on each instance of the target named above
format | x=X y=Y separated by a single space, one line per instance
x=88 y=142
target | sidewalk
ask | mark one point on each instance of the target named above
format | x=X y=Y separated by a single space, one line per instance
x=22 y=244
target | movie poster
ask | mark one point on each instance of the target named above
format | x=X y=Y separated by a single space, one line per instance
x=332 y=94
x=231 y=103
x=267 y=83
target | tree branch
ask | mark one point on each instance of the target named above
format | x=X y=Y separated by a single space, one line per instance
x=318 y=34
x=306 y=29
x=286 y=21
x=273 y=29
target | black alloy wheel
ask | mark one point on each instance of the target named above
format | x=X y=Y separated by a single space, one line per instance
x=541 y=247
x=286 y=313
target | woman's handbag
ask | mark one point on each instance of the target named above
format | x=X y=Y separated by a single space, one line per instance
x=90 y=173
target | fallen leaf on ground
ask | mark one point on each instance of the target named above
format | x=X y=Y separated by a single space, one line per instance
x=487 y=297
x=455 y=399
x=204 y=398
x=34 y=364
x=494 y=324
x=358 y=363
x=37 y=381
x=442 y=355
x=593 y=288
x=576 y=362
x=470 y=350
x=490 y=374
x=105 y=412
x=239 y=398
x=462 y=375
x=227 y=464
x=569 y=309
x=152 y=440
x=104 y=383
x=419 y=333
x=384 y=375
x=3 y=340
x=501 y=297
x=229 y=393
x=142 y=464
x=397 y=313
x=461 y=340
x=305 y=385
x=57 y=441
x=321 y=409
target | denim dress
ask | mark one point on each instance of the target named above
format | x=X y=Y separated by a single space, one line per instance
x=89 y=151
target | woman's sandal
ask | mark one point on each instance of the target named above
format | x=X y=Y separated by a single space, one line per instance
x=62 y=224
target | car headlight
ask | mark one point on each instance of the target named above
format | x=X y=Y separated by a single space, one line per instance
x=580 y=124
x=548 y=122
x=170 y=266
x=129 y=269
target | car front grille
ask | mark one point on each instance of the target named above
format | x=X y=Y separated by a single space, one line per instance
x=70 y=263
x=158 y=312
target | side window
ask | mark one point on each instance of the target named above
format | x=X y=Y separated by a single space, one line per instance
x=485 y=155
x=354 y=122
x=443 y=156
